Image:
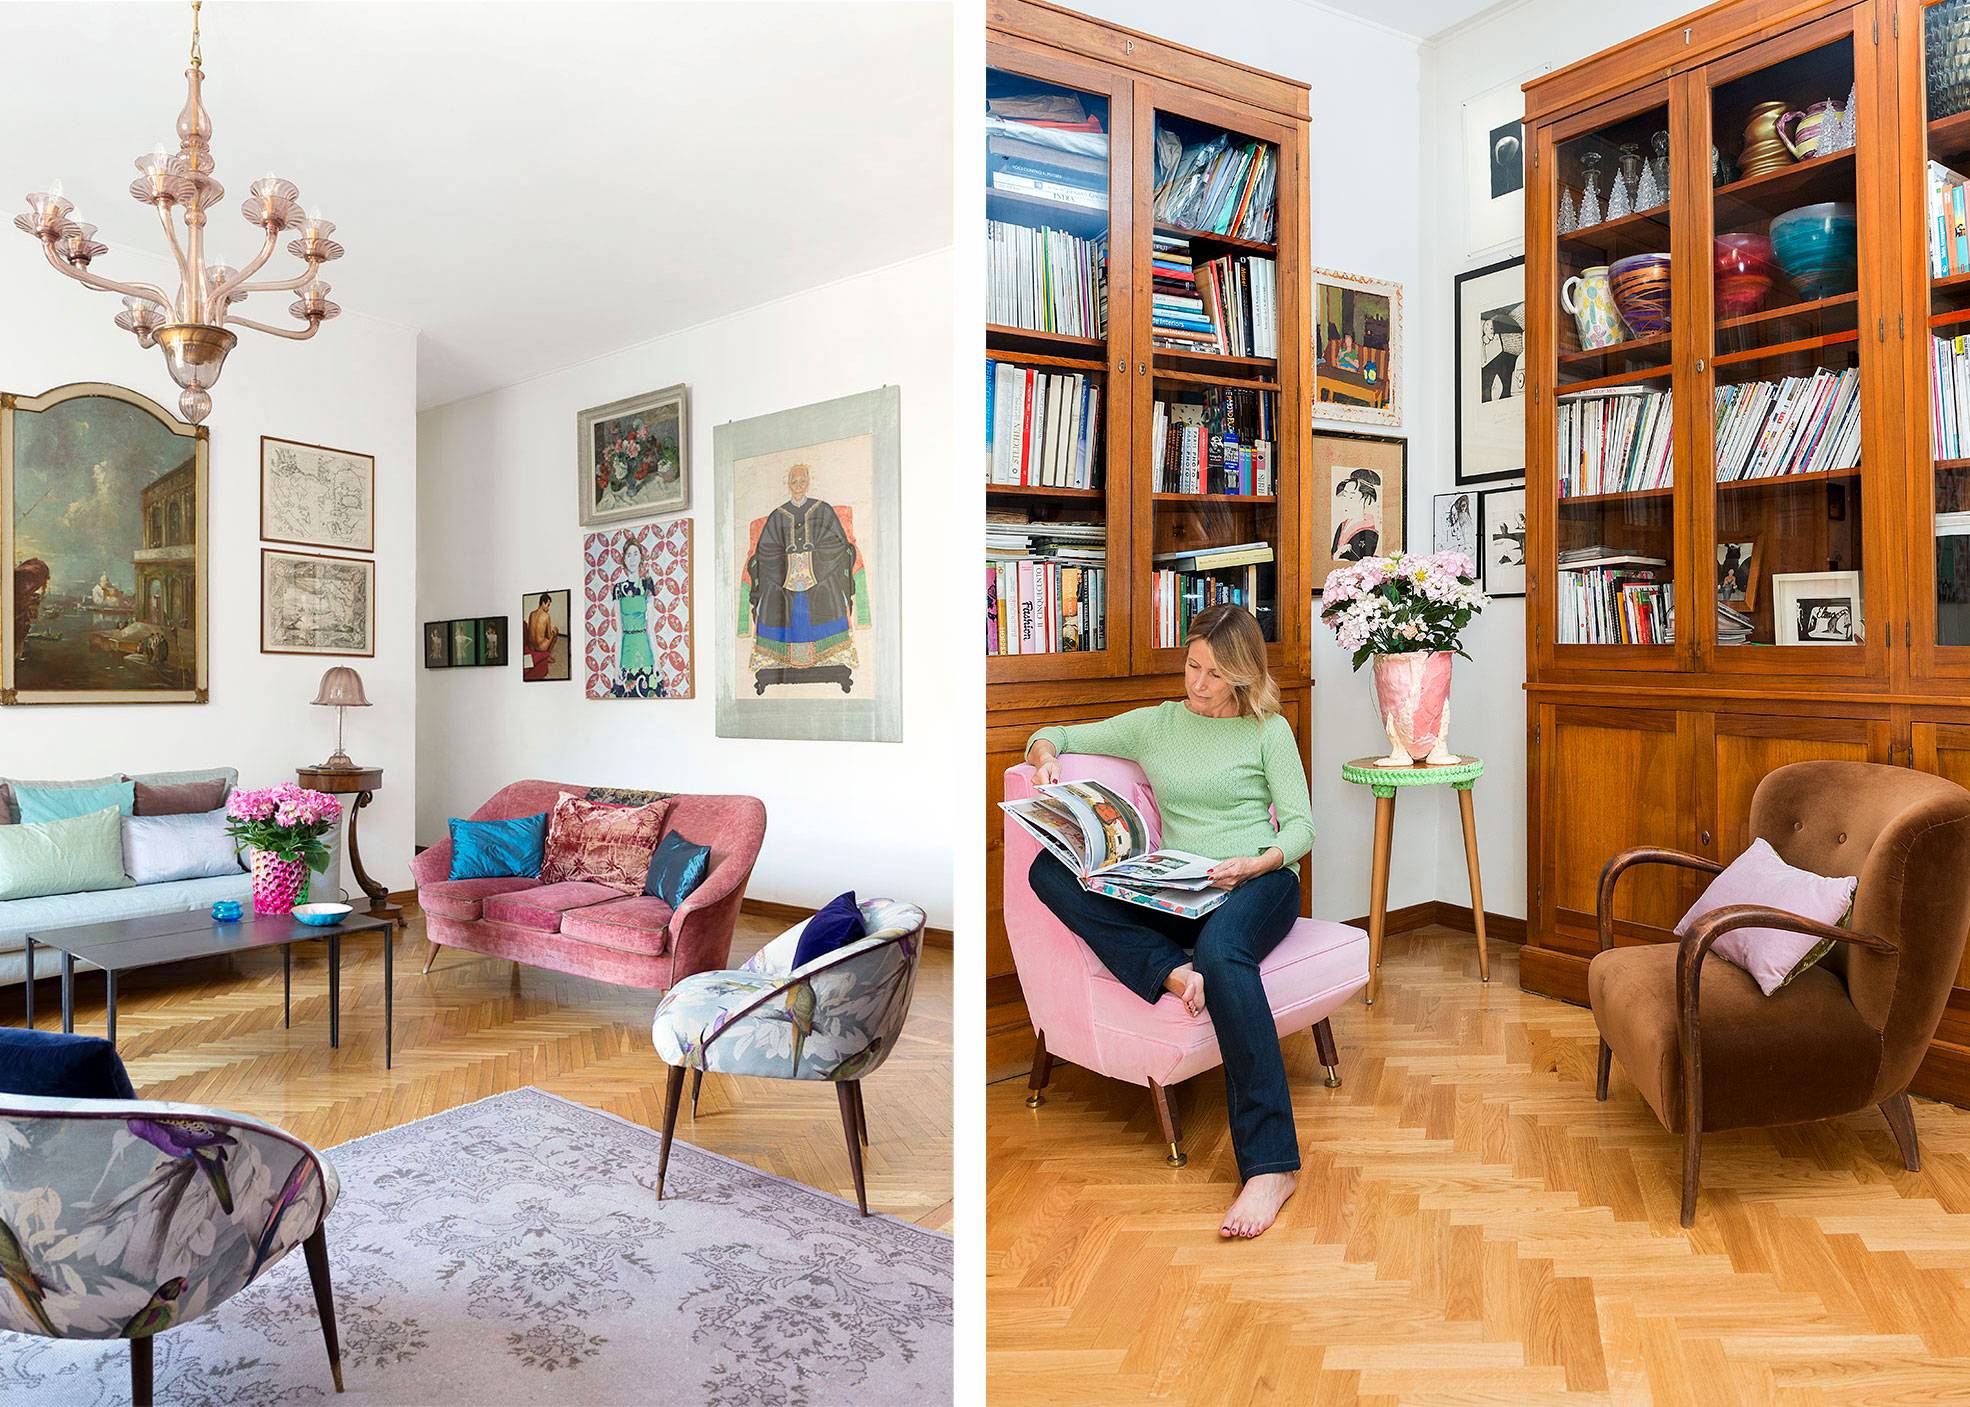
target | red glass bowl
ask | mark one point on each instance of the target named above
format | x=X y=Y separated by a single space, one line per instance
x=1745 y=271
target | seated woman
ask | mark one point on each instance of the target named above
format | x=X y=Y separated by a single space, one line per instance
x=1217 y=761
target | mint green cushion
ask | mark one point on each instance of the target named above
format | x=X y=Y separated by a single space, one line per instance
x=69 y=856
x=66 y=803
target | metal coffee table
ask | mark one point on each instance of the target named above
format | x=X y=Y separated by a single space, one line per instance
x=125 y=944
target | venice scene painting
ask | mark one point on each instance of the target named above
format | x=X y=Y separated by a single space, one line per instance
x=103 y=497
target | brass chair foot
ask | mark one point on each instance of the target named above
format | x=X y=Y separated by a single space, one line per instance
x=336 y=1369
x=1333 y=1078
x=1177 y=1157
x=1035 y=1100
x=660 y=1187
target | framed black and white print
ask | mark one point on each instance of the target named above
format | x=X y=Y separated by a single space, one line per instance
x=1454 y=523
x=1490 y=406
x=1501 y=529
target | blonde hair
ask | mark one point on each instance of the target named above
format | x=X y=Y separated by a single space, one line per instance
x=1236 y=641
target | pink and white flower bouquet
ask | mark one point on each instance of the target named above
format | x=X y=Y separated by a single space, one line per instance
x=1398 y=605
x=286 y=821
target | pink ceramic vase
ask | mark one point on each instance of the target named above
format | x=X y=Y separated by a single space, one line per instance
x=277 y=883
x=1413 y=692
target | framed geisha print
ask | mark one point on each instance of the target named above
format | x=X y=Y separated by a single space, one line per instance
x=634 y=458
x=103 y=530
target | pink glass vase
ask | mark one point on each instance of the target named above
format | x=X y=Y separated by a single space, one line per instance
x=1413 y=692
x=277 y=883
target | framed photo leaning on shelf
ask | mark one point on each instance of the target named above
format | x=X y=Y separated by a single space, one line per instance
x=1357 y=348
x=1359 y=485
x=1501 y=522
x=1490 y=409
x=1737 y=572
x=633 y=458
x=1817 y=608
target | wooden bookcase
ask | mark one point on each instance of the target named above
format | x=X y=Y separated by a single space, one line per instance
x=1663 y=742
x=1132 y=81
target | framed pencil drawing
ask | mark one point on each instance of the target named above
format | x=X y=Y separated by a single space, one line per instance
x=314 y=496
x=315 y=604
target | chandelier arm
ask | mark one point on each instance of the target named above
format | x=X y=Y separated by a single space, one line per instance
x=266 y=250
x=177 y=249
x=146 y=291
x=287 y=285
x=313 y=325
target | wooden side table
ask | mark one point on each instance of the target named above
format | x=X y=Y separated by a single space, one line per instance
x=1384 y=782
x=362 y=783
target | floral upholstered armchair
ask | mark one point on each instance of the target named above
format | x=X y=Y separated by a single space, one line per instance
x=836 y=1019
x=124 y=1218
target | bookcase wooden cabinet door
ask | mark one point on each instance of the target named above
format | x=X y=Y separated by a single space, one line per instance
x=1736 y=751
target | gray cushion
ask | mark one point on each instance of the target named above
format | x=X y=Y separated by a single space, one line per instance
x=159 y=849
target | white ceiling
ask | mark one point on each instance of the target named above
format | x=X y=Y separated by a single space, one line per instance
x=1419 y=19
x=528 y=185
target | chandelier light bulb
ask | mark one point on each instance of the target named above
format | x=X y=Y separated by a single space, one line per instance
x=160 y=160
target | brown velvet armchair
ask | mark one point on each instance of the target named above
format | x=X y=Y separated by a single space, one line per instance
x=1709 y=1051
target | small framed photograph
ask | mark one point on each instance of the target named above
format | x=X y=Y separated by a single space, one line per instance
x=492 y=640
x=1454 y=523
x=437 y=644
x=547 y=653
x=1817 y=608
x=464 y=642
x=1357 y=348
x=634 y=458
x=1501 y=524
x=1737 y=573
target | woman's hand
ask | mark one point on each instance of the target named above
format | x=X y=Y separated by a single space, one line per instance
x=1046 y=763
x=1229 y=874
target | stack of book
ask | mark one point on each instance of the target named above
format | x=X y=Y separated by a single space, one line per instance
x=1240 y=298
x=1949 y=242
x=1615 y=440
x=1184 y=583
x=1733 y=627
x=1800 y=425
x=1220 y=187
x=1176 y=310
x=1045 y=280
x=1042 y=428
x=1949 y=397
x=1615 y=598
x=1045 y=586
x=1217 y=440
x=1024 y=160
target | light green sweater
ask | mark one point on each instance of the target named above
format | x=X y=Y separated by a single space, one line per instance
x=1214 y=778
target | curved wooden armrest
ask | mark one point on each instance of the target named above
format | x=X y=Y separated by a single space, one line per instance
x=1640 y=855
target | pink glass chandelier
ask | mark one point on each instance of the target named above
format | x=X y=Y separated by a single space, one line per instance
x=193 y=327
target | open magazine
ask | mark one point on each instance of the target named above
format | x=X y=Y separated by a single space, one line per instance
x=1103 y=840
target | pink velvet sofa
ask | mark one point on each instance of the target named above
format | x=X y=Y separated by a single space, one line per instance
x=1082 y=1014
x=590 y=930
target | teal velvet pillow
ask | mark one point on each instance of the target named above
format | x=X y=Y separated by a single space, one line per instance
x=677 y=868
x=74 y=856
x=66 y=803
x=498 y=849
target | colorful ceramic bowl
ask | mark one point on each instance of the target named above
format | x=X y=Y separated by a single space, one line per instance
x=1745 y=273
x=1641 y=290
x=321 y=915
x=1815 y=246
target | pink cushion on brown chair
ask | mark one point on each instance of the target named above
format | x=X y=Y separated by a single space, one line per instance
x=636 y=925
x=461 y=898
x=540 y=906
x=601 y=844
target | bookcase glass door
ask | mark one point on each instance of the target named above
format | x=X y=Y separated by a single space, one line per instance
x=1616 y=584
x=1212 y=450
x=1055 y=433
x=1787 y=356
x=1941 y=572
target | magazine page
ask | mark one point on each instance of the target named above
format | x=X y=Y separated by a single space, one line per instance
x=1109 y=825
x=1053 y=825
x=1177 y=869
x=1188 y=903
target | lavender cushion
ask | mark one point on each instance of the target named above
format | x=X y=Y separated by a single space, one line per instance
x=159 y=849
x=1772 y=956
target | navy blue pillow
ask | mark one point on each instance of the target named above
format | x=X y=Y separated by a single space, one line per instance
x=498 y=849
x=676 y=869
x=837 y=923
x=61 y=1067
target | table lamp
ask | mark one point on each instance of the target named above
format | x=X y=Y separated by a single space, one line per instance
x=343 y=688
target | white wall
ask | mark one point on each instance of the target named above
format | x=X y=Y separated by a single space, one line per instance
x=498 y=520
x=354 y=387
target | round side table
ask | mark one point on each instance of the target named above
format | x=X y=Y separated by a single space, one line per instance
x=1385 y=782
x=361 y=783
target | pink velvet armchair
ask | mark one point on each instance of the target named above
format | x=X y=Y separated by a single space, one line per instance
x=590 y=930
x=1082 y=1014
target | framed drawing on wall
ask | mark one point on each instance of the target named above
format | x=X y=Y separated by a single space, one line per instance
x=809 y=597
x=1454 y=523
x=634 y=458
x=637 y=608
x=1490 y=354
x=314 y=604
x=1359 y=483
x=103 y=533
x=1357 y=348
x=1501 y=521
x=314 y=496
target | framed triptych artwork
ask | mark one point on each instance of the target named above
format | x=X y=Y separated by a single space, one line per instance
x=1359 y=486
x=636 y=612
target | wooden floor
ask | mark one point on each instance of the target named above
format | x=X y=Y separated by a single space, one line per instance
x=210 y=1033
x=1471 y=1227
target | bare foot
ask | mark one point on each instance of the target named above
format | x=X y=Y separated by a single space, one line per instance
x=1257 y=1205
x=1188 y=983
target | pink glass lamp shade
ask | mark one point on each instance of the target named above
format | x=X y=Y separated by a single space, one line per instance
x=342 y=688
x=1745 y=271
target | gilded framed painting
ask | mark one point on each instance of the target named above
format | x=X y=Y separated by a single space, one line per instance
x=103 y=528
x=634 y=458
x=314 y=496
x=315 y=604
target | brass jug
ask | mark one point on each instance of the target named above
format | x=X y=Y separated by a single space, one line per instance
x=1765 y=145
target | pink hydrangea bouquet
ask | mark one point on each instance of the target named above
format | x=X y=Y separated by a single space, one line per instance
x=286 y=821
x=1397 y=605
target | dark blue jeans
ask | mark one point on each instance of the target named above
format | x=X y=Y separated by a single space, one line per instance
x=1142 y=947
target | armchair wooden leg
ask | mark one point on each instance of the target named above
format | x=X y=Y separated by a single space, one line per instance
x=1166 y=1114
x=1323 y=1042
x=1601 y=1071
x=1041 y=1073
x=1901 y=1119
x=431 y=947
x=849 y=1092
x=673 y=1096
x=316 y=1250
x=861 y=1114
x=697 y=1083
x=140 y=1388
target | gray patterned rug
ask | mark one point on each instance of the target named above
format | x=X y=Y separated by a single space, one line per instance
x=513 y=1251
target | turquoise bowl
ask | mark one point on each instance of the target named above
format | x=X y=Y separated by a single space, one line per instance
x=322 y=915
x=1814 y=244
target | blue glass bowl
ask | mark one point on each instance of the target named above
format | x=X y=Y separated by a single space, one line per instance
x=321 y=915
x=226 y=911
x=1814 y=244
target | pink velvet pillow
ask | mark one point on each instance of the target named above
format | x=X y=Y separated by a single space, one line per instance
x=609 y=845
x=1772 y=956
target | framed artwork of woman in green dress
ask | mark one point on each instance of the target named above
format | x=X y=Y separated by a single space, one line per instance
x=637 y=609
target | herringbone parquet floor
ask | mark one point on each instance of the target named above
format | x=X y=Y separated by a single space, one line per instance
x=210 y=1033
x=1471 y=1227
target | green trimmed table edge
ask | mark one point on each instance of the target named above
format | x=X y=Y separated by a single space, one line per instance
x=1384 y=780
